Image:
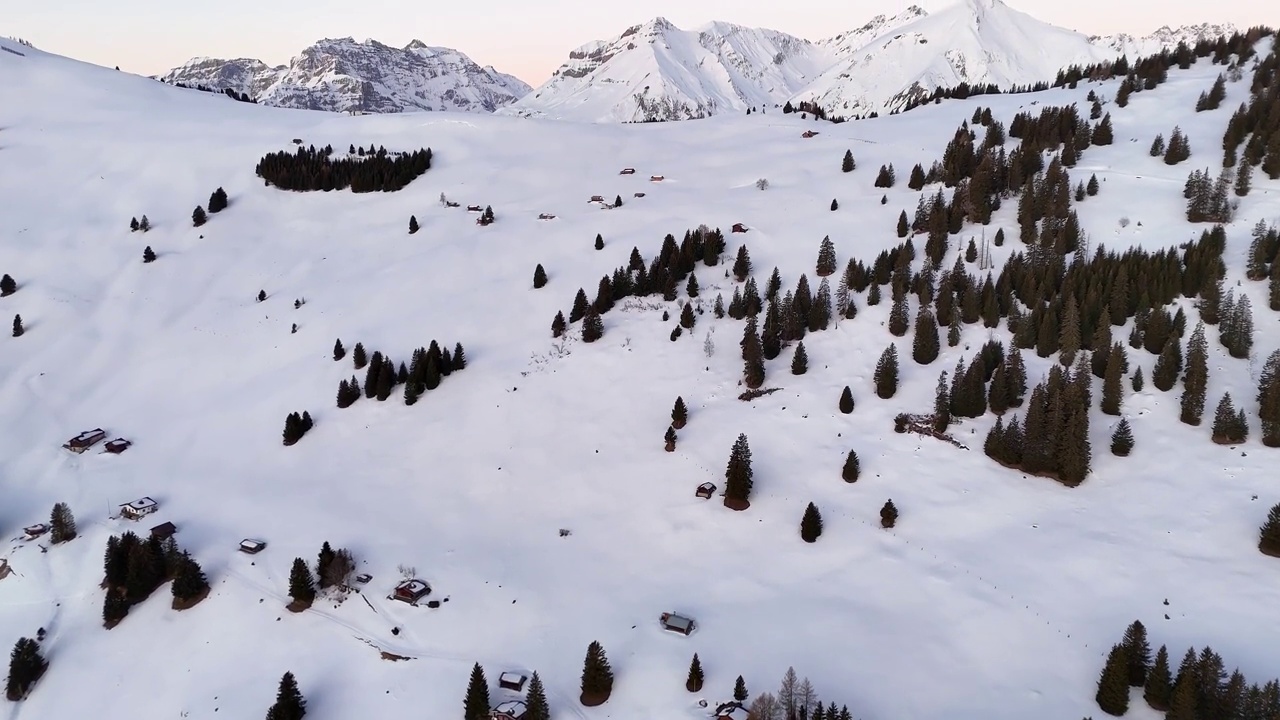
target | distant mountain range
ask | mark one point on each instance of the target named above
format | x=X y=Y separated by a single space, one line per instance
x=343 y=75
x=656 y=71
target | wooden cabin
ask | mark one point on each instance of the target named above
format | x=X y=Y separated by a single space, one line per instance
x=808 y=133
x=546 y=216
x=363 y=578
x=117 y=446
x=657 y=178
x=164 y=531
x=732 y=711
x=509 y=710
x=596 y=198
x=638 y=195
x=677 y=623
x=628 y=171
x=139 y=508
x=34 y=531
x=411 y=591
x=252 y=547
x=450 y=203
x=739 y=228
x=474 y=208
x=85 y=440
x=705 y=490
x=512 y=681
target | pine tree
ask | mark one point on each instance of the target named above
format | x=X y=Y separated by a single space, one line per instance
x=358 y=356
x=694 y=682
x=800 y=360
x=942 y=404
x=1091 y=189
x=742 y=264
x=811 y=524
x=133 y=225
x=1137 y=653
x=669 y=439
x=617 y=201
x=898 y=320
x=1195 y=380
x=826 y=259
x=1122 y=439
x=289 y=705
x=62 y=524
x=599 y=244
x=144 y=225
x=834 y=205
x=1112 y=392
x=302 y=585
x=189 y=580
x=1157 y=146
x=903 y=228
x=740 y=689
x=846 y=400
x=1168 y=365
x=691 y=288
x=476 y=704
x=536 y=701
x=752 y=356
x=1102 y=132
x=888 y=514
x=148 y=255
x=262 y=295
x=847 y=164
x=26 y=665
x=592 y=326
x=8 y=286
x=687 y=319
x=1226 y=423
x=386 y=381
x=679 y=414
x=851 y=468
x=597 y=676
x=1138 y=382
x=558 y=325
x=413 y=224
x=114 y=607
x=218 y=201
x=1159 y=686
x=539 y=277
x=1113 y=685
x=1269 y=533
x=886 y=374
x=18 y=330
x=198 y=217
x=739 y=477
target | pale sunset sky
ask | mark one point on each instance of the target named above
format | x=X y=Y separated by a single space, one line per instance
x=519 y=37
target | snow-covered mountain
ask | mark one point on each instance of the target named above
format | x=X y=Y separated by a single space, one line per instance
x=345 y=75
x=656 y=71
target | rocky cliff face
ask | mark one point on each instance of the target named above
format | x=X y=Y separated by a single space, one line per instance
x=344 y=75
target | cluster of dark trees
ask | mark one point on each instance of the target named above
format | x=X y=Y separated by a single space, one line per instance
x=136 y=225
x=1200 y=690
x=134 y=568
x=1263 y=257
x=217 y=203
x=1255 y=125
x=1213 y=97
x=1054 y=439
x=26 y=665
x=427 y=368
x=674 y=264
x=229 y=92
x=475 y=706
x=1269 y=533
x=1208 y=200
x=333 y=567
x=312 y=169
x=295 y=426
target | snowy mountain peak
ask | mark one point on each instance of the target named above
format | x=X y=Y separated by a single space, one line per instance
x=342 y=74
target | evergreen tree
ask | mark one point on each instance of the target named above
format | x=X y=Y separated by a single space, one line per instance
x=851 y=468
x=826 y=259
x=1182 y=704
x=669 y=439
x=903 y=228
x=18 y=330
x=558 y=325
x=476 y=704
x=800 y=360
x=740 y=689
x=358 y=356
x=1091 y=189
x=592 y=326
x=133 y=225
x=580 y=306
x=942 y=404
x=752 y=356
x=1269 y=533
x=413 y=224
x=1158 y=690
x=339 y=352
x=691 y=288
x=847 y=164
x=1112 y=392
x=742 y=264
x=1225 y=426
x=539 y=277
x=599 y=244
x=687 y=320
x=1157 y=146
x=1122 y=439
x=617 y=201
x=148 y=255
x=846 y=400
x=386 y=380
x=218 y=201
x=597 y=676
x=62 y=525
x=834 y=205
x=189 y=580
x=289 y=705
x=1102 y=132
x=811 y=524
x=1138 y=382
x=1195 y=380
x=898 y=321
x=302 y=585
x=1113 y=685
x=536 y=707
x=114 y=607
x=925 y=346
x=888 y=514
x=198 y=217
x=26 y=665
x=144 y=225
x=1137 y=653
x=679 y=414
x=1168 y=365
x=694 y=682
x=1069 y=335
x=739 y=477
x=8 y=286
x=886 y=374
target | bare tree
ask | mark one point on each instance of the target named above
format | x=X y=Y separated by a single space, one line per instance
x=762 y=184
x=708 y=345
x=765 y=707
x=806 y=698
x=339 y=569
x=787 y=699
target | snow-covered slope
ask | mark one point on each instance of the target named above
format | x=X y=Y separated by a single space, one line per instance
x=997 y=596
x=657 y=71
x=1165 y=38
x=345 y=75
